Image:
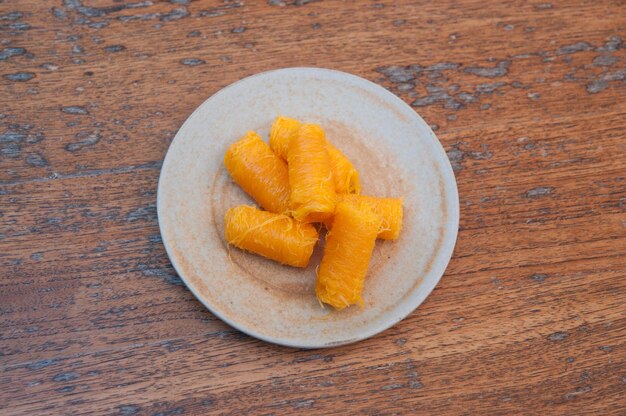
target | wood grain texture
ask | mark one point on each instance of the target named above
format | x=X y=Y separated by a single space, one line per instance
x=529 y=100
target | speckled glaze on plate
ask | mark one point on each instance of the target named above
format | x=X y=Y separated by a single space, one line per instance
x=396 y=153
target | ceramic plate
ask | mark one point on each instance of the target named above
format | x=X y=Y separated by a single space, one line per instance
x=396 y=153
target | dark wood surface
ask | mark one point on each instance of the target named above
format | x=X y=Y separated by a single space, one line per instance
x=529 y=100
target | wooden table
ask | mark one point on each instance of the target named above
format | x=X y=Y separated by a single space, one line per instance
x=529 y=100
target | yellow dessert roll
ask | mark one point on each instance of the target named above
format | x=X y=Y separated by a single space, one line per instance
x=310 y=178
x=283 y=128
x=274 y=236
x=388 y=209
x=347 y=255
x=345 y=175
x=259 y=172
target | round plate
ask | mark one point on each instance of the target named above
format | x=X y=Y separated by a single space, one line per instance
x=397 y=155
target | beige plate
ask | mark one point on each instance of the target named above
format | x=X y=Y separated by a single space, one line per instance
x=396 y=154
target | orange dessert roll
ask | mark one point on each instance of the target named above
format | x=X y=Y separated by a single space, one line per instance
x=281 y=132
x=347 y=254
x=388 y=209
x=275 y=236
x=345 y=176
x=259 y=172
x=312 y=189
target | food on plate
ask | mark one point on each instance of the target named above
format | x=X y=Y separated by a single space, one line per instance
x=283 y=128
x=259 y=172
x=388 y=209
x=345 y=175
x=275 y=236
x=310 y=178
x=347 y=254
x=299 y=179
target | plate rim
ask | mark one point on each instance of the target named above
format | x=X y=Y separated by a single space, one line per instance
x=452 y=224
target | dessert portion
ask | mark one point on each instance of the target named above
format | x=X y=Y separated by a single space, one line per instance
x=303 y=182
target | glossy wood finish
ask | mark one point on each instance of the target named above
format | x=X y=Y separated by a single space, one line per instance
x=529 y=100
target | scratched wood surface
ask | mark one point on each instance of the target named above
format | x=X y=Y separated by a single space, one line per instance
x=528 y=99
